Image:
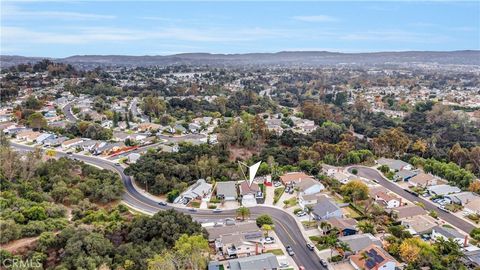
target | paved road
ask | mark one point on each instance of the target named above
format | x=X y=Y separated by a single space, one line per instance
x=285 y=225
x=370 y=173
x=67 y=110
x=136 y=112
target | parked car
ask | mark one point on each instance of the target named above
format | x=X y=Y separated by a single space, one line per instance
x=277 y=184
x=290 y=251
x=192 y=210
x=217 y=210
x=268 y=240
x=310 y=247
x=162 y=203
x=323 y=263
x=117 y=164
x=301 y=214
x=69 y=152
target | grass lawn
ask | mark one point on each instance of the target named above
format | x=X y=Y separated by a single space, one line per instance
x=278 y=192
x=195 y=204
x=309 y=224
x=276 y=252
x=290 y=202
x=352 y=212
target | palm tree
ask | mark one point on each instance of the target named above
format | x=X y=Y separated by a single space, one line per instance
x=331 y=242
x=243 y=212
x=344 y=247
x=366 y=227
x=325 y=226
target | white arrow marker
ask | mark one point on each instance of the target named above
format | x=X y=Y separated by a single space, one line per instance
x=252 y=170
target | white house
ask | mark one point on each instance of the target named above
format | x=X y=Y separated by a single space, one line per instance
x=310 y=186
x=449 y=233
x=387 y=200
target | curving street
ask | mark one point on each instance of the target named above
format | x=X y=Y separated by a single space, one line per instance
x=67 y=110
x=370 y=173
x=286 y=227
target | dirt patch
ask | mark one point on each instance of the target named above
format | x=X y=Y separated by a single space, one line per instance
x=20 y=246
x=241 y=153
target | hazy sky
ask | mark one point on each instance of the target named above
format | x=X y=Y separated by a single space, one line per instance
x=61 y=28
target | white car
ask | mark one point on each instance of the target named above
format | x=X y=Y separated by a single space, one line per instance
x=267 y=240
x=301 y=214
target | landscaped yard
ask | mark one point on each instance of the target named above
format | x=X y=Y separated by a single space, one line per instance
x=309 y=224
x=290 y=202
x=278 y=192
x=195 y=204
x=352 y=213
x=276 y=252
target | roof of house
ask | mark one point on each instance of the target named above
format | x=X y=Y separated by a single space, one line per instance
x=419 y=224
x=324 y=206
x=386 y=196
x=423 y=179
x=245 y=188
x=294 y=177
x=408 y=211
x=342 y=223
x=463 y=197
x=258 y=262
x=311 y=197
x=443 y=189
x=473 y=256
x=72 y=141
x=358 y=242
x=308 y=183
x=376 y=258
x=249 y=229
x=228 y=189
x=406 y=174
x=373 y=191
x=393 y=164
x=474 y=205
x=201 y=187
x=448 y=232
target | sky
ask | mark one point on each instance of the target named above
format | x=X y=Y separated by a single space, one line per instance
x=65 y=28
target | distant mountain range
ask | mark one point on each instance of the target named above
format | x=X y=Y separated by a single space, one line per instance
x=303 y=58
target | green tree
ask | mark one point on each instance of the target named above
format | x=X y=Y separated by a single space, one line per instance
x=36 y=121
x=264 y=219
x=243 y=212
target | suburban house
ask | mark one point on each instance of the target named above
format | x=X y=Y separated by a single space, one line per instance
x=198 y=190
x=227 y=190
x=133 y=157
x=70 y=143
x=404 y=175
x=304 y=200
x=246 y=189
x=346 y=226
x=462 y=198
x=325 y=209
x=43 y=137
x=54 y=142
x=266 y=261
x=408 y=211
x=358 y=242
x=294 y=178
x=310 y=186
x=236 y=240
x=449 y=233
x=387 y=200
x=394 y=164
x=442 y=190
x=472 y=258
x=423 y=180
x=418 y=225
x=87 y=145
x=376 y=258
x=472 y=207
x=28 y=135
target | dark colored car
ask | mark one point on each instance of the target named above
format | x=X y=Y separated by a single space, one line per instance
x=162 y=203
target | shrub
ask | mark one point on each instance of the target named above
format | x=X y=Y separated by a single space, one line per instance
x=264 y=219
x=355 y=171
